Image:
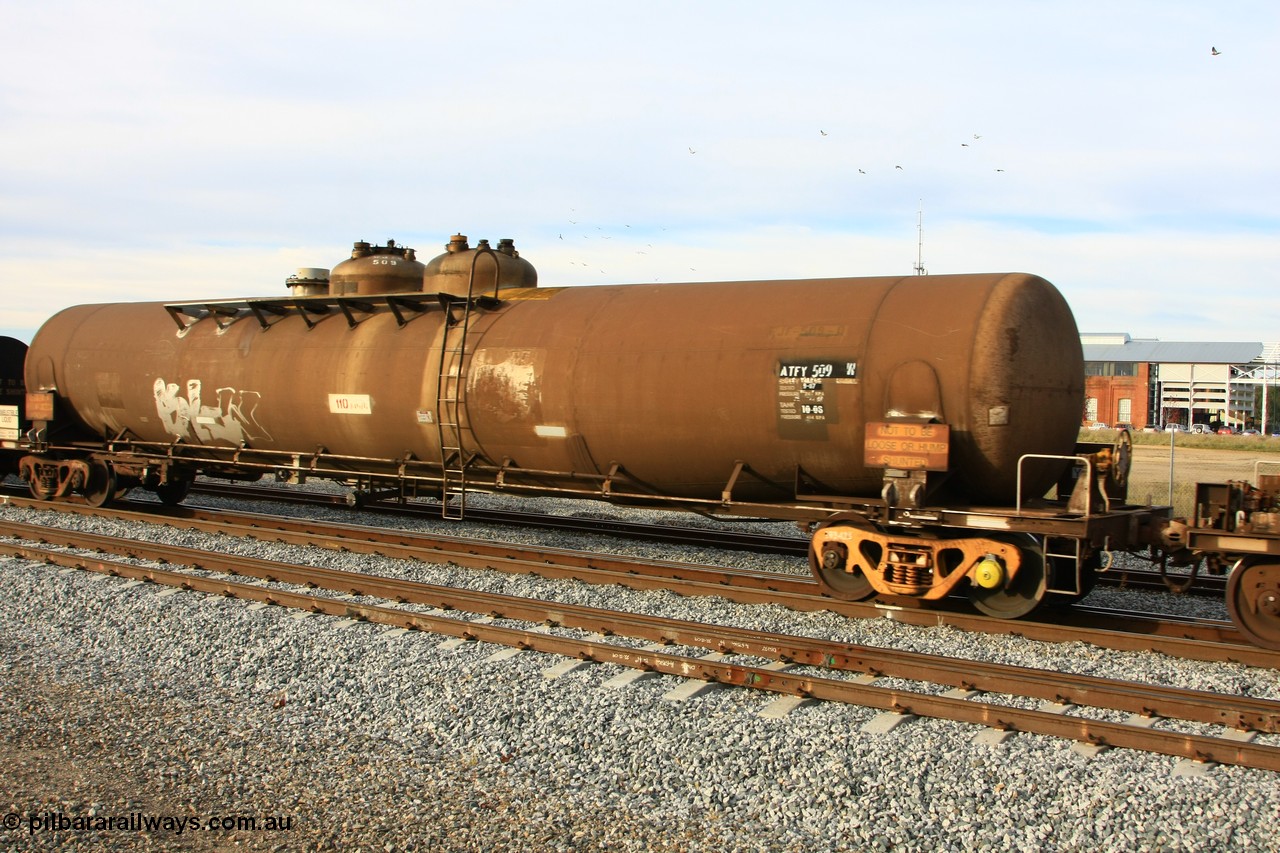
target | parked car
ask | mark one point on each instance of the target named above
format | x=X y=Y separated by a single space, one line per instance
x=1125 y=426
x=1099 y=425
x=1175 y=428
x=1249 y=432
x=1202 y=429
x=1226 y=431
x=1151 y=428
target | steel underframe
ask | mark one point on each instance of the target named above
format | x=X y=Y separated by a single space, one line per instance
x=1118 y=528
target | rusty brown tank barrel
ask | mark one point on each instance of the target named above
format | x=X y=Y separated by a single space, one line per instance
x=677 y=383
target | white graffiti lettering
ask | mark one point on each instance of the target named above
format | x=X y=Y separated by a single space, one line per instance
x=230 y=421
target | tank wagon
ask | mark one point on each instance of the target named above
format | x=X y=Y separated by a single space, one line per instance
x=923 y=428
x=12 y=397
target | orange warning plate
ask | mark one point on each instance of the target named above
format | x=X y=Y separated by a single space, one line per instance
x=910 y=446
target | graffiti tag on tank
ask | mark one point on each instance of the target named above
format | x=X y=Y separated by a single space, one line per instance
x=227 y=418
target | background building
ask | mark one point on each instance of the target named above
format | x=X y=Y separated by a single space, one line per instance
x=1143 y=382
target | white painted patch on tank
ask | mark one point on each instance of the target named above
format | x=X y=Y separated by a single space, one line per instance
x=510 y=375
x=350 y=404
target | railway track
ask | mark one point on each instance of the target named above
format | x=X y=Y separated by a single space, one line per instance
x=1211 y=586
x=1208 y=585
x=1197 y=639
x=980 y=693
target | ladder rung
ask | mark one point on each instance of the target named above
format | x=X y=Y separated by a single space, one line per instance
x=450 y=388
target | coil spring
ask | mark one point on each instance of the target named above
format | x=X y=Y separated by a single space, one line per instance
x=907 y=574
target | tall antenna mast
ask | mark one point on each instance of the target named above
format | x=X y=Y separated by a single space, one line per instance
x=920 y=270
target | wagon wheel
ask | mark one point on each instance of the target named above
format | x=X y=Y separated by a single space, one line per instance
x=100 y=490
x=1028 y=588
x=1253 y=600
x=829 y=568
x=174 y=491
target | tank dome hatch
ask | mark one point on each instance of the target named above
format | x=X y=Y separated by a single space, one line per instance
x=451 y=272
x=375 y=269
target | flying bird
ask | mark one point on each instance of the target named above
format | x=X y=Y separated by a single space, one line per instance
x=1213 y=51
x=860 y=172
x=691 y=151
x=823 y=132
x=898 y=168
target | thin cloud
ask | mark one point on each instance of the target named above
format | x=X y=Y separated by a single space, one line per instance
x=159 y=155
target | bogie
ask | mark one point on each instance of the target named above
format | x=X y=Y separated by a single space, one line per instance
x=1004 y=576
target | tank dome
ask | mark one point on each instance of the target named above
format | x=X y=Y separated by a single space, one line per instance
x=451 y=271
x=377 y=269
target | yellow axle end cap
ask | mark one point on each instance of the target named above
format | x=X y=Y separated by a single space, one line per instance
x=989 y=574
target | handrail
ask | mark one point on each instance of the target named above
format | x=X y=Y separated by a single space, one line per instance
x=1080 y=460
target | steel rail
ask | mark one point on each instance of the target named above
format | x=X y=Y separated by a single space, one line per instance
x=1237 y=711
x=736 y=540
x=739 y=540
x=1193 y=640
x=1199 y=747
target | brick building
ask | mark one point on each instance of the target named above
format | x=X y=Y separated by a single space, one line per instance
x=1143 y=382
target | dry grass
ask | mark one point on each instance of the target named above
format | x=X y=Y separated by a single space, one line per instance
x=1192 y=441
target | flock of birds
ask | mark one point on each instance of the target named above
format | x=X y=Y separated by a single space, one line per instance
x=1213 y=51
x=898 y=168
x=692 y=150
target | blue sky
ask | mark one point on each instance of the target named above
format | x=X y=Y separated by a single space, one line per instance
x=202 y=150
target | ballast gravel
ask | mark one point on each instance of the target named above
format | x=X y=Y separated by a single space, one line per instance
x=136 y=718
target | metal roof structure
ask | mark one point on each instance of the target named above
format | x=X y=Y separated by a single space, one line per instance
x=1174 y=352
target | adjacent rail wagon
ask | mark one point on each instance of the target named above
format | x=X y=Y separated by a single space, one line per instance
x=13 y=354
x=923 y=428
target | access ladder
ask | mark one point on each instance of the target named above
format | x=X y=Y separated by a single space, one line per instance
x=452 y=422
